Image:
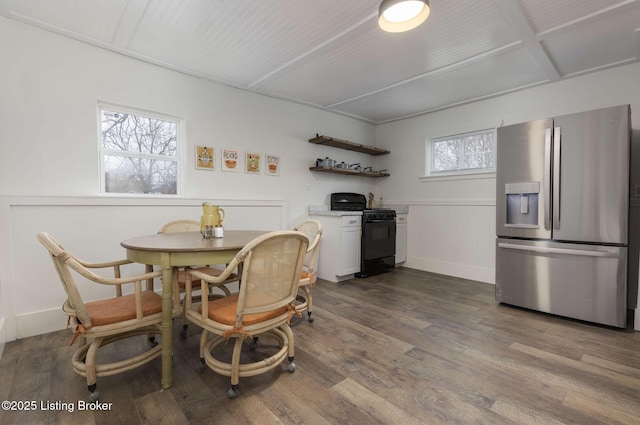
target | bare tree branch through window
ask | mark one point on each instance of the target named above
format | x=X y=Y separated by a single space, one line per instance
x=463 y=152
x=139 y=153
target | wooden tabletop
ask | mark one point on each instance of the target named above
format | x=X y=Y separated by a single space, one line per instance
x=192 y=241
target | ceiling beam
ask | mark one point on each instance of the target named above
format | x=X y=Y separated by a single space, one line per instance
x=129 y=22
x=4 y=9
x=626 y=5
x=514 y=14
x=456 y=65
x=335 y=38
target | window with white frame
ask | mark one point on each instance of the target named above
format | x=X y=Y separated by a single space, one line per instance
x=462 y=153
x=139 y=152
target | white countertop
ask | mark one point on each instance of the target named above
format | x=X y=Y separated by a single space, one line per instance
x=335 y=213
x=400 y=209
x=324 y=210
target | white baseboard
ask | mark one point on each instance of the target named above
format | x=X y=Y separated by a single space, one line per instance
x=464 y=271
x=636 y=320
x=40 y=322
x=3 y=335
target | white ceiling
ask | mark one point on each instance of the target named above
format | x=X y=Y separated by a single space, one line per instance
x=331 y=54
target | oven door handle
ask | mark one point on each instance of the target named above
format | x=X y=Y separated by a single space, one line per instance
x=379 y=221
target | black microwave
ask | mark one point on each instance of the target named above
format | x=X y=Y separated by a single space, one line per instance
x=344 y=201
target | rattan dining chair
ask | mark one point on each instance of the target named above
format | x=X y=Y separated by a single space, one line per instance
x=313 y=230
x=271 y=266
x=99 y=323
x=194 y=226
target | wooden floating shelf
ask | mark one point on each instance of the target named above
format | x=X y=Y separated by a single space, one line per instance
x=347 y=145
x=348 y=172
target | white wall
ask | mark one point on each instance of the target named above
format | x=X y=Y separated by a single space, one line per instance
x=92 y=228
x=49 y=176
x=51 y=86
x=49 y=181
x=452 y=223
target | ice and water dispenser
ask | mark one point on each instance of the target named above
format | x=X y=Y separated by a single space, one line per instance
x=522 y=204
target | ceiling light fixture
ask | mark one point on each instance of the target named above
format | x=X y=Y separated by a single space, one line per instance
x=402 y=15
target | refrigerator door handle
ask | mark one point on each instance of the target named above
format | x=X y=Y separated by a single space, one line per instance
x=550 y=250
x=547 y=178
x=556 y=177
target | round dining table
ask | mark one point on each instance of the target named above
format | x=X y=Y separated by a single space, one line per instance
x=182 y=249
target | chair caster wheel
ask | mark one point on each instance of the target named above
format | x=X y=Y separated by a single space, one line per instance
x=152 y=341
x=203 y=365
x=94 y=396
x=233 y=392
x=292 y=367
x=310 y=318
x=253 y=344
x=183 y=333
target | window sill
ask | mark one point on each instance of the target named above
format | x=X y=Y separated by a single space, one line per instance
x=458 y=176
x=139 y=195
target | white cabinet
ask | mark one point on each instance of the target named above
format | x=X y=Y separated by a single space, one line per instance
x=339 y=256
x=401 y=238
x=349 y=261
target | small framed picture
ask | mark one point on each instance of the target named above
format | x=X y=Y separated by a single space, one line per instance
x=271 y=165
x=230 y=160
x=252 y=162
x=205 y=158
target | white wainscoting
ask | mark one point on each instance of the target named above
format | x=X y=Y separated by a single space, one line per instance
x=453 y=237
x=3 y=335
x=92 y=228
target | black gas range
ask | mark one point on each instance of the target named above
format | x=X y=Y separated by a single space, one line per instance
x=378 y=240
x=378 y=214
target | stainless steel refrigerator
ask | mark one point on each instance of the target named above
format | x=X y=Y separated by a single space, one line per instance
x=562 y=207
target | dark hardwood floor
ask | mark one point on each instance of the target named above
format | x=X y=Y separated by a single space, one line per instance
x=405 y=347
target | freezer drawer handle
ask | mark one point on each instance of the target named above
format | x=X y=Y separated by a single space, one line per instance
x=565 y=251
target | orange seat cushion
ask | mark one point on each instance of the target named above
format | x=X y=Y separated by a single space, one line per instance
x=223 y=310
x=119 y=309
x=304 y=275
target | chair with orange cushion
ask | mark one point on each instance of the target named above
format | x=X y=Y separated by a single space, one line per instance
x=102 y=322
x=271 y=266
x=194 y=226
x=313 y=230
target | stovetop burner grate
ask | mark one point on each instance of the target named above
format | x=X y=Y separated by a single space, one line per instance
x=379 y=214
x=378 y=209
